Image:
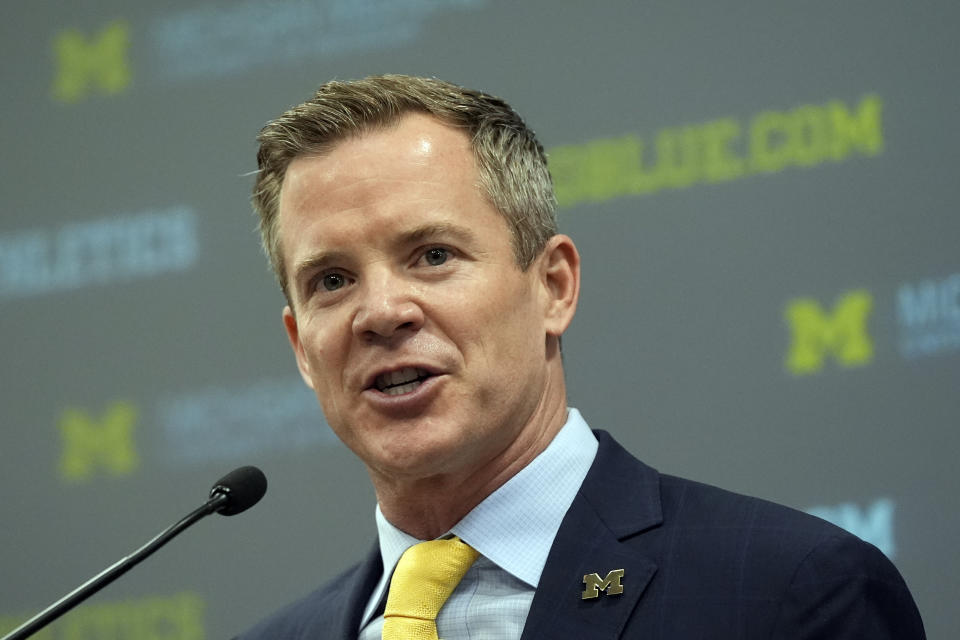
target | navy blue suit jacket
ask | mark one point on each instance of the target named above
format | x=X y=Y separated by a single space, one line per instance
x=698 y=562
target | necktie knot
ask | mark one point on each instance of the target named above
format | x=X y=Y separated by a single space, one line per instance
x=425 y=577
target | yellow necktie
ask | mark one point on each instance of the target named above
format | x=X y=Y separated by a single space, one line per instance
x=425 y=577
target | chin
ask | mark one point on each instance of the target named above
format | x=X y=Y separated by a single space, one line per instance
x=408 y=457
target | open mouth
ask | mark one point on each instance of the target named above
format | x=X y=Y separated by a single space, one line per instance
x=395 y=383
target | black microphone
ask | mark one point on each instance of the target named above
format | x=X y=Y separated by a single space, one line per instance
x=232 y=494
x=243 y=488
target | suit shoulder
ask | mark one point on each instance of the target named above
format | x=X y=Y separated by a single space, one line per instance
x=773 y=544
x=687 y=502
x=776 y=541
x=295 y=620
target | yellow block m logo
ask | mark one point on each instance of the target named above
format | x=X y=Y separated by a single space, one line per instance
x=106 y=443
x=842 y=333
x=102 y=60
x=593 y=584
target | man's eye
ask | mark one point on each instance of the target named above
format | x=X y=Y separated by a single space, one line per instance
x=332 y=281
x=436 y=256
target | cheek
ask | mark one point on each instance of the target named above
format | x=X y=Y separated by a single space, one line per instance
x=326 y=352
x=512 y=335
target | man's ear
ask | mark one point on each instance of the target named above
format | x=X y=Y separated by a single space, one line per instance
x=560 y=276
x=293 y=334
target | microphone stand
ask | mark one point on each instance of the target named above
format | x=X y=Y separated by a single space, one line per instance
x=102 y=579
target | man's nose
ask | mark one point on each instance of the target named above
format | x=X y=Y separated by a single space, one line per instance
x=387 y=307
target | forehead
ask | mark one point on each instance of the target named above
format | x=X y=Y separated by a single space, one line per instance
x=417 y=172
x=417 y=147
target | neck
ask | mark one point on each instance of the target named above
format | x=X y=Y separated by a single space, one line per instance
x=428 y=507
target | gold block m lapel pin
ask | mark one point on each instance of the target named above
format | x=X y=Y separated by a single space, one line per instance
x=593 y=584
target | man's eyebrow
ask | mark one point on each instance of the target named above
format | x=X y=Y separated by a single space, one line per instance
x=433 y=230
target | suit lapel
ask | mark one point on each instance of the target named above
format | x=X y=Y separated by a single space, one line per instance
x=359 y=593
x=620 y=497
x=340 y=620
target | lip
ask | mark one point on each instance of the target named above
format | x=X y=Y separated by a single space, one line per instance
x=370 y=381
x=408 y=403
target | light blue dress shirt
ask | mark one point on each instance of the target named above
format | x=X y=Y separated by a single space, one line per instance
x=513 y=530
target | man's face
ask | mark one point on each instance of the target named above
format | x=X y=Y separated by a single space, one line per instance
x=423 y=340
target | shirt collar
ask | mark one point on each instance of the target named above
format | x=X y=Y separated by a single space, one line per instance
x=514 y=527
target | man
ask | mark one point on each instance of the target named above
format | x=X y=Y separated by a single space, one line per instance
x=411 y=225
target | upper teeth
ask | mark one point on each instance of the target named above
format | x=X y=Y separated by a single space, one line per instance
x=399 y=377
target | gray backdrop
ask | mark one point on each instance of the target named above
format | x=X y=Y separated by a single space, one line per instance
x=764 y=195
